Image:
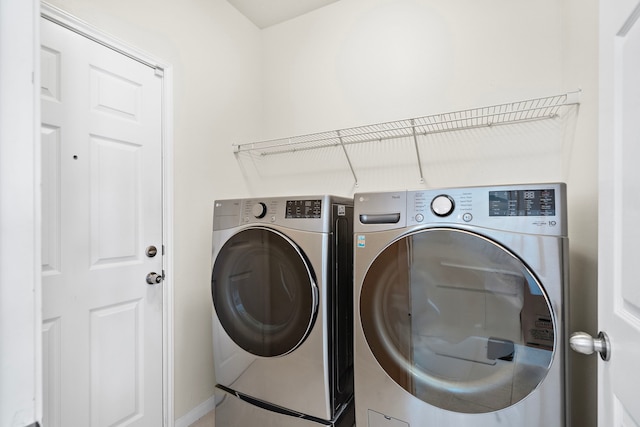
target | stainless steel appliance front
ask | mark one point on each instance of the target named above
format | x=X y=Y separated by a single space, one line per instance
x=282 y=293
x=459 y=306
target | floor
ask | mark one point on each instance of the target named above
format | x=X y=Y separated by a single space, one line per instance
x=206 y=421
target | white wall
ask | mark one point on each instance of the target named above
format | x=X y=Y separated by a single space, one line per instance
x=358 y=62
x=216 y=66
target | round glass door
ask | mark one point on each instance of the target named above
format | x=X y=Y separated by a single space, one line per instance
x=457 y=320
x=264 y=292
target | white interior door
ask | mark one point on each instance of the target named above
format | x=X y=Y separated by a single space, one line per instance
x=619 y=198
x=102 y=208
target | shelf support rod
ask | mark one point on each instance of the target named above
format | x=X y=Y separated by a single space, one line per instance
x=415 y=143
x=344 y=150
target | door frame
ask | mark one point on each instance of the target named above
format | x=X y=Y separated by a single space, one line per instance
x=165 y=70
x=20 y=359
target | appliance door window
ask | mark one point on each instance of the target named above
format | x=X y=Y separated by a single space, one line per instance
x=457 y=320
x=264 y=292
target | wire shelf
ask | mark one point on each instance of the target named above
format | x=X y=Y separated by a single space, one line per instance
x=502 y=114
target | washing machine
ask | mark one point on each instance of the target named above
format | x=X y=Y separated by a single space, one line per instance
x=460 y=307
x=282 y=290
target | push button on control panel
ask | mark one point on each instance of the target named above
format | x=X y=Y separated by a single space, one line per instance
x=442 y=205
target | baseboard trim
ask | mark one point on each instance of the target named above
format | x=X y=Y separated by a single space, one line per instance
x=196 y=413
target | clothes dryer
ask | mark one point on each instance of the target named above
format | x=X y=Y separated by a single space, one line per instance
x=282 y=293
x=460 y=307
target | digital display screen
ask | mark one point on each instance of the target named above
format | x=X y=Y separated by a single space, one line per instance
x=522 y=203
x=304 y=209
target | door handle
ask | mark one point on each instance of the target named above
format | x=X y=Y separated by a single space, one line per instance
x=154 y=278
x=584 y=343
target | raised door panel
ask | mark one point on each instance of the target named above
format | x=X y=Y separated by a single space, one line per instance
x=116 y=227
x=117 y=375
x=50 y=74
x=51 y=373
x=51 y=193
x=115 y=95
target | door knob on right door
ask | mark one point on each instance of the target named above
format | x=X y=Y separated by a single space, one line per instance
x=584 y=343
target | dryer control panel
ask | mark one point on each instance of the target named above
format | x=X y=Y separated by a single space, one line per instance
x=303 y=209
x=310 y=213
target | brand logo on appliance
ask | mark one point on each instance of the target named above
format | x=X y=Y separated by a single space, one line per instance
x=543 y=223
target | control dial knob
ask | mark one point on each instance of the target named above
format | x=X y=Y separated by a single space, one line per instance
x=442 y=205
x=259 y=210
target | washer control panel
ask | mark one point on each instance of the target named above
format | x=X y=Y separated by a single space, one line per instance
x=452 y=205
x=534 y=202
x=527 y=208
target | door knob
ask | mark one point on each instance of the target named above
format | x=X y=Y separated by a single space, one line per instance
x=584 y=343
x=154 y=278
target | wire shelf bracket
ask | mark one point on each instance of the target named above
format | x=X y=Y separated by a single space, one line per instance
x=501 y=114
